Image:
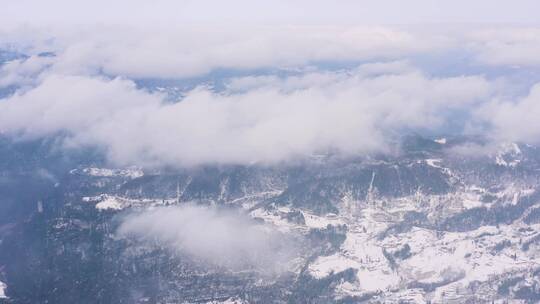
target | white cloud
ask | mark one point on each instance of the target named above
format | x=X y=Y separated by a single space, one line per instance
x=23 y=72
x=210 y=235
x=508 y=46
x=346 y=112
x=86 y=93
x=196 y=51
x=512 y=120
x=70 y=103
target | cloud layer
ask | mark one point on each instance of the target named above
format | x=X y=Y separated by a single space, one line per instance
x=257 y=120
x=196 y=51
x=209 y=235
x=285 y=93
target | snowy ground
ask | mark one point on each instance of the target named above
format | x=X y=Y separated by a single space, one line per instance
x=3 y=287
x=438 y=267
x=452 y=262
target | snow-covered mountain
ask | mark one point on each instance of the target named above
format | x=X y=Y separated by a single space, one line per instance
x=438 y=222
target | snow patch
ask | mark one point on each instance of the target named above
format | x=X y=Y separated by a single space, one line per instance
x=105 y=201
x=109 y=203
x=327 y=265
x=441 y=141
x=229 y=301
x=433 y=162
x=507 y=155
x=3 y=287
x=104 y=172
x=314 y=221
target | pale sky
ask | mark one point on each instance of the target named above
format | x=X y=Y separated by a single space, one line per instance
x=178 y=13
